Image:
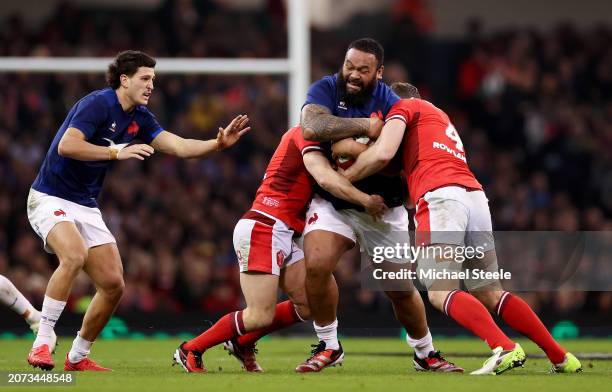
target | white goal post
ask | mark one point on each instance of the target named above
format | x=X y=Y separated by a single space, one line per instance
x=296 y=66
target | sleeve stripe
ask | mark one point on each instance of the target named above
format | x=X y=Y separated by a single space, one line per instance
x=396 y=117
x=308 y=149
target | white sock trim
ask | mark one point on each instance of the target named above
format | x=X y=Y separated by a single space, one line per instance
x=295 y=309
x=237 y=324
x=501 y=302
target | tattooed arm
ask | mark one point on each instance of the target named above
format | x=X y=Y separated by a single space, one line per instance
x=318 y=124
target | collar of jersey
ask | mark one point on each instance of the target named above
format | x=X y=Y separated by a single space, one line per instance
x=111 y=94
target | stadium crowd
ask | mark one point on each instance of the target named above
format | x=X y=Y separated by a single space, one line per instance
x=534 y=110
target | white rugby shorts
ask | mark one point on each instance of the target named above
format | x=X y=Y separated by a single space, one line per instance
x=45 y=211
x=361 y=227
x=265 y=244
x=454 y=215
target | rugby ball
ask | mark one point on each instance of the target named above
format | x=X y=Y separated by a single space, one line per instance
x=344 y=162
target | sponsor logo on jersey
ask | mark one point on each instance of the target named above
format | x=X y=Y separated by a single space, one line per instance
x=59 y=212
x=113 y=127
x=270 y=202
x=444 y=147
x=342 y=105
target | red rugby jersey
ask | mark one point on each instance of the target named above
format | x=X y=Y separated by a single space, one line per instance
x=287 y=186
x=433 y=154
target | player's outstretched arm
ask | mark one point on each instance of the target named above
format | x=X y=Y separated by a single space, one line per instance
x=378 y=155
x=318 y=166
x=173 y=144
x=318 y=124
x=73 y=145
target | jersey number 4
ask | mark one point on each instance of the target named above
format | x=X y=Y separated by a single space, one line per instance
x=452 y=134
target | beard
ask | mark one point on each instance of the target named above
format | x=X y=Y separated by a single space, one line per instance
x=357 y=99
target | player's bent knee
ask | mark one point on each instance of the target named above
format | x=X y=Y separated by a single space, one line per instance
x=74 y=259
x=303 y=310
x=113 y=288
x=437 y=298
x=297 y=296
x=318 y=269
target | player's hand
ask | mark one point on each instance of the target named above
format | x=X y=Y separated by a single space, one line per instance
x=375 y=206
x=138 y=151
x=376 y=125
x=229 y=135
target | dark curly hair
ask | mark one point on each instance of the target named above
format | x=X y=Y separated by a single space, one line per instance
x=127 y=63
x=369 y=45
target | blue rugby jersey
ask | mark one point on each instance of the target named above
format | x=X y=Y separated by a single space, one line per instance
x=324 y=92
x=101 y=118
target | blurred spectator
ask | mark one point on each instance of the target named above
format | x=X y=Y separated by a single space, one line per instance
x=533 y=109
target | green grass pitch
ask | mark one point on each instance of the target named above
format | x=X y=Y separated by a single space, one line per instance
x=370 y=365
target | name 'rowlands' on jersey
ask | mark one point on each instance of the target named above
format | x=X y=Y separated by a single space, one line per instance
x=101 y=118
x=433 y=154
x=324 y=92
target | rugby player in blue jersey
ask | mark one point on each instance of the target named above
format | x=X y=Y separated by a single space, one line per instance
x=62 y=209
x=351 y=104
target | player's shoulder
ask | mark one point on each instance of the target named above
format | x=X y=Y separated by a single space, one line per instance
x=294 y=134
x=95 y=104
x=383 y=92
x=329 y=79
x=412 y=103
x=294 y=137
x=427 y=107
x=327 y=82
x=383 y=88
x=323 y=92
x=106 y=95
x=144 y=110
x=98 y=98
x=411 y=106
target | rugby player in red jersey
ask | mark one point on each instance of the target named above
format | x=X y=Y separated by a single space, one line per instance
x=268 y=256
x=452 y=209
